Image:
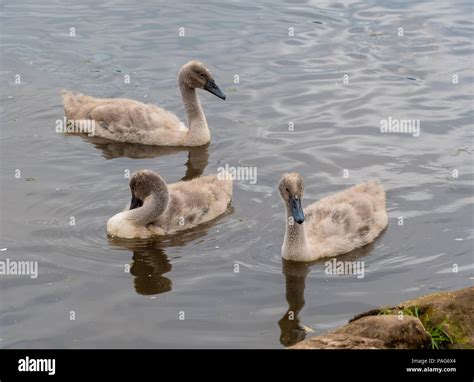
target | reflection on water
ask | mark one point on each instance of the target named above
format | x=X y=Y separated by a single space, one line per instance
x=148 y=267
x=296 y=273
x=198 y=157
x=150 y=261
x=292 y=331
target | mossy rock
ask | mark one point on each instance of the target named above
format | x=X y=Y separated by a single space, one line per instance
x=441 y=320
x=395 y=333
x=451 y=311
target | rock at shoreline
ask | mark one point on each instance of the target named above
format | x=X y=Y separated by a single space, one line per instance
x=339 y=341
x=394 y=331
x=406 y=326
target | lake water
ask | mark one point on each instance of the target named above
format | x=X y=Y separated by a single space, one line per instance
x=315 y=80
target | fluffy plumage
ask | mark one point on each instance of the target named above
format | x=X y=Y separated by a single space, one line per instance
x=126 y=120
x=336 y=224
x=158 y=209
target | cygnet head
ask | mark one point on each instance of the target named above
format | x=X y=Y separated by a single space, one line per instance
x=196 y=75
x=146 y=183
x=291 y=190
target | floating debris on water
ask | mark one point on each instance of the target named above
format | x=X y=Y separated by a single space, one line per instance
x=307 y=329
x=376 y=34
x=459 y=151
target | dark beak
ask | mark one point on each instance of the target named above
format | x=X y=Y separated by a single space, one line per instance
x=211 y=87
x=135 y=203
x=296 y=210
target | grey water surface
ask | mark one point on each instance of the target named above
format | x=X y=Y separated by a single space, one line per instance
x=308 y=84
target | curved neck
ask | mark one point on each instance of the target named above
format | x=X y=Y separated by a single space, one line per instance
x=153 y=207
x=295 y=237
x=197 y=124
